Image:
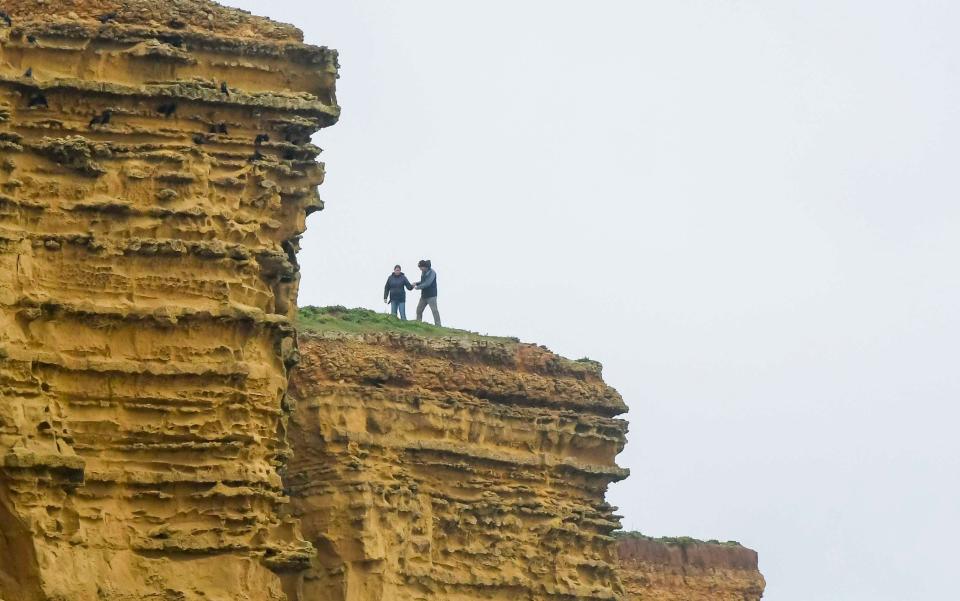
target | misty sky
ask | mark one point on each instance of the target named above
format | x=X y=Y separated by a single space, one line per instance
x=747 y=210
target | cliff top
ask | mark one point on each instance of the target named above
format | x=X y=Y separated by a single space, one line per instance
x=679 y=541
x=365 y=321
x=190 y=16
x=529 y=372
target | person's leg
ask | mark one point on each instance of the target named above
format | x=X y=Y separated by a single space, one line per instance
x=420 y=307
x=393 y=308
x=434 y=310
x=403 y=311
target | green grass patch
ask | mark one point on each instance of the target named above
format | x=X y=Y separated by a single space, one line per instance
x=365 y=321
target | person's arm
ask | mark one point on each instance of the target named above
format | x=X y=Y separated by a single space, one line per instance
x=428 y=279
x=407 y=283
x=386 y=290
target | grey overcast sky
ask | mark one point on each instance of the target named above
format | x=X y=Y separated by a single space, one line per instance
x=746 y=209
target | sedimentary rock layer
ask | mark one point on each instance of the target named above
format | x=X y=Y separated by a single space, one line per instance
x=452 y=469
x=687 y=570
x=155 y=173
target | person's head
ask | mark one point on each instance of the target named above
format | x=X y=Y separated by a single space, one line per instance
x=424 y=264
x=397 y=270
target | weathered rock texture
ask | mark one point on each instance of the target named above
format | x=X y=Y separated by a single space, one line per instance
x=452 y=469
x=687 y=570
x=155 y=174
x=147 y=274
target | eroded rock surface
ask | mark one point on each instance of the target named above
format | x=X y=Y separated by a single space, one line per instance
x=452 y=469
x=156 y=170
x=687 y=570
x=155 y=174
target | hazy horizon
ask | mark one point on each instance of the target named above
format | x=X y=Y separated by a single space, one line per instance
x=747 y=211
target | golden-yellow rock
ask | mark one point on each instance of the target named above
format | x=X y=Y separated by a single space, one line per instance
x=684 y=569
x=156 y=170
x=452 y=468
x=155 y=174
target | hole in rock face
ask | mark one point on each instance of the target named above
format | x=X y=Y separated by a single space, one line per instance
x=375 y=426
x=173 y=40
x=37 y=101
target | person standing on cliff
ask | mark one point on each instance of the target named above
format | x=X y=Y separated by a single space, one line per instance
x=428 y=291
x=395 y=292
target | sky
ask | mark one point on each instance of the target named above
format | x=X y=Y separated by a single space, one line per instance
x=746 y=210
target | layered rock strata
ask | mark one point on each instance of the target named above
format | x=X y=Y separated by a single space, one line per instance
x=452 y=469
x=156 y=170
x=687 y=570
x=155 y=174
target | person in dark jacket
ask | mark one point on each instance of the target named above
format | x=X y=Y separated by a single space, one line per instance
x=428 y=291
x=395 y=292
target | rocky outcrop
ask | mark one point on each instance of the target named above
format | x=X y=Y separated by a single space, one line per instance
x=452 y=468
x=155 y=174
x=684 y=569
x=156 y=170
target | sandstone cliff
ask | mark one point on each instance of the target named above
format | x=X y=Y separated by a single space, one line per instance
x=155 y=173
x=452 y=467
x=683 y=569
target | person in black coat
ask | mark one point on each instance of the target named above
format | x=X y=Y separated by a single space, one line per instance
x=428 y=291
x=395 y=292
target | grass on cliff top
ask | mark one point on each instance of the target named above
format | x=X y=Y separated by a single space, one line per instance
x=680 y=541
x=365 y=321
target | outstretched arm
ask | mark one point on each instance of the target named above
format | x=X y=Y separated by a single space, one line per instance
x=427 y=279
x=407 y=283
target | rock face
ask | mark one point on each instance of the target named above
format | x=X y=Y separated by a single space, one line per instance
x=155 y=173
x=452 y=469
x=687 y=570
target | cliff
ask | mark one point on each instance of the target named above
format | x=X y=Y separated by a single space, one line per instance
x=445 y=465
x=431 y=463
x=155 y=174
x=684 y=569
x=156 y=171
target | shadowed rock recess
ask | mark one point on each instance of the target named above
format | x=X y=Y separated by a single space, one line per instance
x=147 y=280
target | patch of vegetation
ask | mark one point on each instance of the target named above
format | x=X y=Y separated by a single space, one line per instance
x=365 y=321
x=680 y=541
